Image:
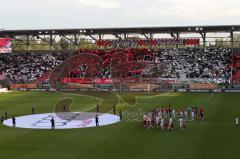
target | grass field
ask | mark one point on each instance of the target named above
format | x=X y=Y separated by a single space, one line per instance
x=215 y=138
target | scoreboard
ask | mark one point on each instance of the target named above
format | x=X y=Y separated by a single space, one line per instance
x=5 y=45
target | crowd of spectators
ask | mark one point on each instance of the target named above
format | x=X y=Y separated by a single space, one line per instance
x=183 y=63
x=190 y=63
x=27 y=67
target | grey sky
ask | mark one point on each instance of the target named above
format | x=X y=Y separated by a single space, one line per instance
x=34 y=14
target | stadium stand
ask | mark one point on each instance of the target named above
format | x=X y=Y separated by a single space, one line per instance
x=185 y=63
x=197 y=63
x=28 y=67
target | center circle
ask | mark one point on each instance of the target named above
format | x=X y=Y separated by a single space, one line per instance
x=66 y=120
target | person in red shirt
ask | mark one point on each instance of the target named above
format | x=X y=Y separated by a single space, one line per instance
x=202 y=114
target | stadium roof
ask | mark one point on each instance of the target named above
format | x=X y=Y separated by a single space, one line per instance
x=136 y=30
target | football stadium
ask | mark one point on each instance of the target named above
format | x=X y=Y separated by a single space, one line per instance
x=120 y=92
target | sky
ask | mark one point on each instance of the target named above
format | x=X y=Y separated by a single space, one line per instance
x=60 y=14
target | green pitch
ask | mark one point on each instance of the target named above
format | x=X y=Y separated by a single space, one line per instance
x=215 y=138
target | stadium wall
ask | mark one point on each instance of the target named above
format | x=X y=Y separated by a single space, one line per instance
x=131 y=90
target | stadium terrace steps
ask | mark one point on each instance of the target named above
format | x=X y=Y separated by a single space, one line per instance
x=45 y=76
x=236 y=72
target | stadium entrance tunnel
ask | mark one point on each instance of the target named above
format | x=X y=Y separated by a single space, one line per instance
x=66 y=120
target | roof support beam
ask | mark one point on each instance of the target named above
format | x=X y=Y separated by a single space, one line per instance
x=100 y=36
x=43 y=39
x=27 y=42
x=175 y=35
x=232 y=37
x=204 y=35
x=92 y=37
x=70 y=40
x=125 y=36
x=148 y=36
x=76 y=39
x=50 y=41
x=118 y=36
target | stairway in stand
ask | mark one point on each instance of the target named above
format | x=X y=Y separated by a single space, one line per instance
x=236 y=69
x=45 y=76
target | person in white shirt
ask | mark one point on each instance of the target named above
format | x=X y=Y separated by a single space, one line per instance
x=193 y=115
x=160 y=114
x=181 y=114
x=173 y=113
x=237 y=121
x=181 y=123
x=157 y=120
x=162 y=124
x=186 y=115
x=170 y=123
